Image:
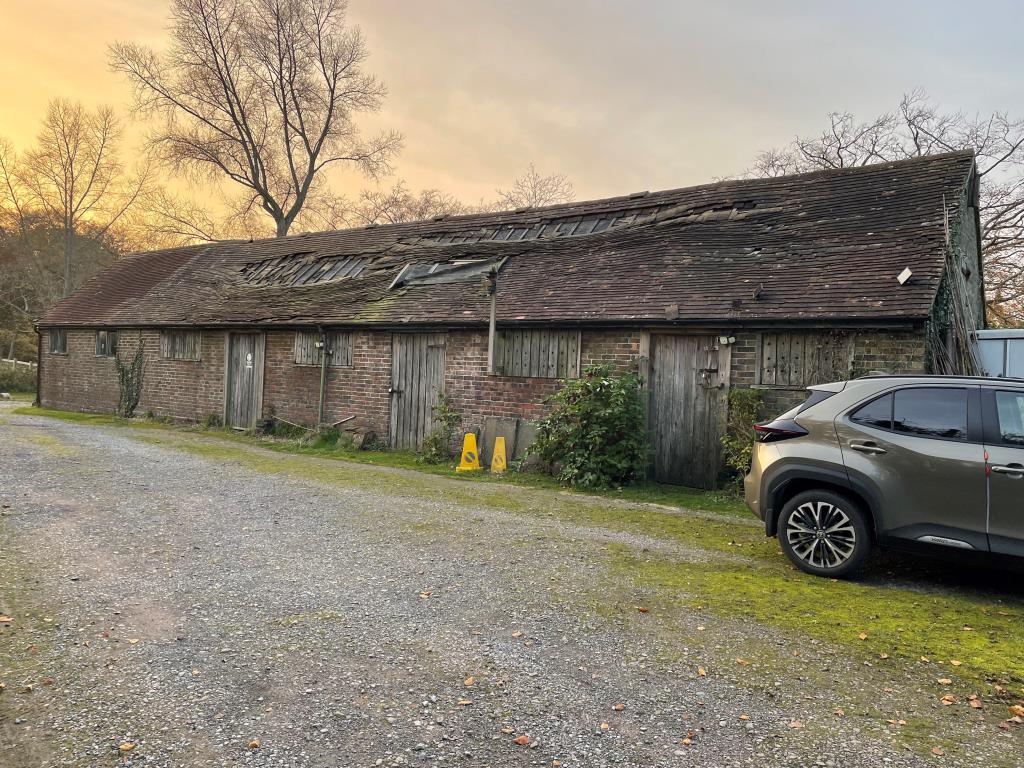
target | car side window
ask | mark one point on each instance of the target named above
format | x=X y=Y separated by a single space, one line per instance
x=877 y=413
x=1010 y=410
x=931 y=412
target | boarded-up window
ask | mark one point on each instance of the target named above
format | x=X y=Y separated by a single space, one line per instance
x=106 y=343
x=180 y=345
x=309 y=343
x=58 y=341
x=541 y=354
x=802 y=359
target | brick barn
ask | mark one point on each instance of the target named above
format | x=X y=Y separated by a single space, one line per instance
x=774 y=283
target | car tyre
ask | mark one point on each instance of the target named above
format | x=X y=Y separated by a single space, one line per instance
x=824 y=533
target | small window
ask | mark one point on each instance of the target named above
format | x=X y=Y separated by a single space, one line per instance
x=58 y=341
x=309 y=343
x=877 y=413
x=538 y=354
x=938 y=413
x=106 y=343
x=1010 y=407
x=180 y=345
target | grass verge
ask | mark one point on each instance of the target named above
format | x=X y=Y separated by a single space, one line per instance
x=646 y=493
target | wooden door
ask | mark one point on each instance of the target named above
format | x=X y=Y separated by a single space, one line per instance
x=689 y=406
x=417 y=375
x=243 y=390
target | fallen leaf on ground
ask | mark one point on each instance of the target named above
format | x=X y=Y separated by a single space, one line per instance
x=506 y=730
x=254 y=744
x=924 y=659
x=863 y=635
x=5 y=619
x=742 y=662
x=517 y=633
x=744 y=717
x=701 y=672
x=840 y=712
x=948 y=699
x=1017 y=710
x=465 y=702
x=968 y=629
x=883 y=655
x=796 y=724
x=126 y=746
x=605 y=726
x=424 y=595
x=944 y=681
x=955 y=663
x=469 y=681
x=938 y=751
x=133 y=640
x=642 y=609
x=522 y=740
x=975 y=703
x=619 y=707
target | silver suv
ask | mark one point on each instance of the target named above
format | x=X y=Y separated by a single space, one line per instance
x=918 y=461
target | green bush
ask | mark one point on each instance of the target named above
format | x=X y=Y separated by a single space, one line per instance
x=595 y=435
x=437 y=446
x=17 y=378
x=738 y=441
x=213 y=421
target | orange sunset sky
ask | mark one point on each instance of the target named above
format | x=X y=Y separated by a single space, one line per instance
x=619 y=96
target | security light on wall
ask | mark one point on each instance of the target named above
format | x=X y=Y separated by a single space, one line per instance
x=903 y=276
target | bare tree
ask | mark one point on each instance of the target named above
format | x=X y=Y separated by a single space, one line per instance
x=398 y=204
x=917 y=128
x=72 y=176
x=532 y=190
x=263 y=93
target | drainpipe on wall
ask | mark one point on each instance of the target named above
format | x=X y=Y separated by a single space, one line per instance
x=39 y=367
x=492 y=289
x=323 y=377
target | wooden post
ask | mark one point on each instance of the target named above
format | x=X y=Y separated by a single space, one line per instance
x=323 y=378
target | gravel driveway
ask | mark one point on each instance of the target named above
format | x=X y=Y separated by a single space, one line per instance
x=169 y=609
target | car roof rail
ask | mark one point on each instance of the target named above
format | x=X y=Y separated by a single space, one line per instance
x=873 y=375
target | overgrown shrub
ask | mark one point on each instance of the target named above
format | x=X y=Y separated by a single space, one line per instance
x=595 y=435
x=17 y=378
x=437 y=446
x=129 y=380
x=738 y=441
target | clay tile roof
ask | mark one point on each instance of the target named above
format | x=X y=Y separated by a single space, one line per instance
x=823 y=246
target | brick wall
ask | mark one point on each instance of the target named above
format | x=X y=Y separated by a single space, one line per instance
x=891 y=352
x=292 y=392
x=187 y=390
x=192 y=390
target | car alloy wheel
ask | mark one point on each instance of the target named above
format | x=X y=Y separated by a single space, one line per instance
x=821 y=534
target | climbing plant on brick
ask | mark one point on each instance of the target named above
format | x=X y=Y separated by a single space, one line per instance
x=594 y=435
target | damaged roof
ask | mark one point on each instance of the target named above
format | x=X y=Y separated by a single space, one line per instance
x=823 y=246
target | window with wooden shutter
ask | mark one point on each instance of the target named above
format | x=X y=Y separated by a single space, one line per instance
x=309 y=343
x=106 y=343
x=538 y=354
x=803 y=359
x=58 y=341
x=180 y=345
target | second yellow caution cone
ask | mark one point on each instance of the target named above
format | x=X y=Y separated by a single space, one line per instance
x=470 y=458
x=498 y=463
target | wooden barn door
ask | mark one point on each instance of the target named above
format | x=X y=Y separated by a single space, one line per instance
x=243 y=389
x=417 y=375
x=689 y=405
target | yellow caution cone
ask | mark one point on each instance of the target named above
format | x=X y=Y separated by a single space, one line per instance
x=470 y=458
x=498 y=463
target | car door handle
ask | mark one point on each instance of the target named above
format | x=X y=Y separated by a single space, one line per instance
x=1013 y=470
x=866 y=446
